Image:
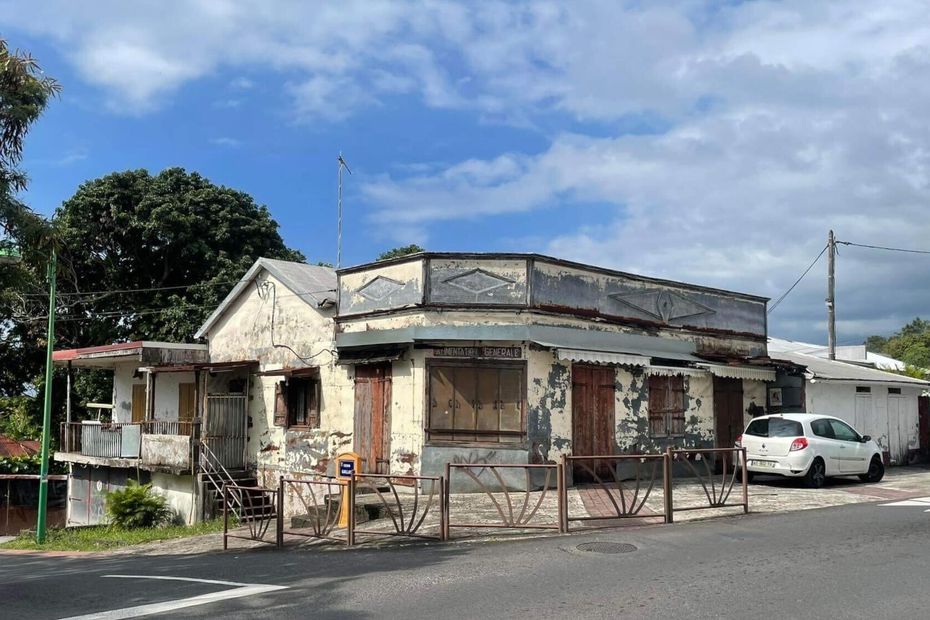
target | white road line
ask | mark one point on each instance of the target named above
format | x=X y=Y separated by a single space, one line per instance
x=240 y=590
x=923 y=502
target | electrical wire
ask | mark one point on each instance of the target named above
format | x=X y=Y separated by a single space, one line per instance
x=882 y=247
x=796 y=282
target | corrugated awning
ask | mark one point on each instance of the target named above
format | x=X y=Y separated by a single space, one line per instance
x=675 y=371
x=740 y=372
x=602 y=357
x=307 y=371
x=370 y=355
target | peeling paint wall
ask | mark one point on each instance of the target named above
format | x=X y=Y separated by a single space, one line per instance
x=381 y=287
x=754 y=399
x=549 y=406
x=244 y=333
x=181 y=493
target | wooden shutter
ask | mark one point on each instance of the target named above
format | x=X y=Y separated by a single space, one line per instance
x=138 y=402
x=313 y=404
x=187 y=402
x=676 y=406
x=280 y=404
x=658 y=405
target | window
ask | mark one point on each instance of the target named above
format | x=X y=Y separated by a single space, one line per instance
x=822 y=428
x=297 y=403
x=482 y=403
x=894 y=390
x=863 y=389
x=666 y=406
x=775 y=427
x=843 y=431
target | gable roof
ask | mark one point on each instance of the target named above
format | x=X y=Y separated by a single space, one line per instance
x=314 y=284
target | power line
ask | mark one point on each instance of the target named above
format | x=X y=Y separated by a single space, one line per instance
x=883 y=247
x=140 y=290
x=796 y=282
x=144 y=311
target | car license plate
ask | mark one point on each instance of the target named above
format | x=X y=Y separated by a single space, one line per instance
x=762 y=463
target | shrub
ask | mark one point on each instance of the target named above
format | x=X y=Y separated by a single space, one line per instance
x=137 y=506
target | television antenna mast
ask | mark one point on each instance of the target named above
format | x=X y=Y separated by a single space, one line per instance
x=342 y=164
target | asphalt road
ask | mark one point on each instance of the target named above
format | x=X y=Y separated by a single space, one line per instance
x=859 y=561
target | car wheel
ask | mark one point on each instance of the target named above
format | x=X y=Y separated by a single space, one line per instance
x=816 y=474
x=876 y=471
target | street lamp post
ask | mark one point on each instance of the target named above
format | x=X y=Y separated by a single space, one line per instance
x=47 y=416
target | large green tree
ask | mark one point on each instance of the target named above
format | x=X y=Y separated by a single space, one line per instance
x=133 y=243
x=910 y=344
x=403 y=250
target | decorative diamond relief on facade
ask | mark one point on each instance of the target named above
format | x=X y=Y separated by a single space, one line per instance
x=379 y=288
x=662 y=304
x=478 y=281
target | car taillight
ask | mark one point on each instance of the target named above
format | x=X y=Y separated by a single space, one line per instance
x=739 y=442
x=798 y=444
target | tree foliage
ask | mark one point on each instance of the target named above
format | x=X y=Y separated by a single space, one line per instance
x=910 y=344
x=400 y=251
x=131 y=231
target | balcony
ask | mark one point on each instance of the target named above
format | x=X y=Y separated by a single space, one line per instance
x=152 y=444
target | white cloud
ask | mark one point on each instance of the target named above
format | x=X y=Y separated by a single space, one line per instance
x=780 y=120
x=226 y=141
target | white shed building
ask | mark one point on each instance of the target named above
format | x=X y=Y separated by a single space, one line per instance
x=877 y=403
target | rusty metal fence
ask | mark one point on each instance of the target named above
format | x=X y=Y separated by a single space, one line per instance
x=320 y=501
x=703 y=464
x=621 y=483
x=406 y=500
x=257 y=509
x=421 y=507
x=513 y=507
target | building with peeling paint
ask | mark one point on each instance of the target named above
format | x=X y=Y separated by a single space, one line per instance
x=520 y=358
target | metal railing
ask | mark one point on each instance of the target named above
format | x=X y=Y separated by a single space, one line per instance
x=513 y=511
x=407 y=517
x=105 y=440
x=166 y=427
x=217 y=476
x=321 y=500
x=717 y=487
x=259 y=508
x=621 y=484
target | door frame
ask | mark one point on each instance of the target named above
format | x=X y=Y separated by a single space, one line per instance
x=738 y=415
x=610 y=413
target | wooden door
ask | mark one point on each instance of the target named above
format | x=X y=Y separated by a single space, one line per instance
x=592 y=414
x=923 y=421
x=373 y=416
x=187 y=402
x=138 y=402
x=728 y=410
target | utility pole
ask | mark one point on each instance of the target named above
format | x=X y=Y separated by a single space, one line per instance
x=342 y=164
x=831 y=295
x=47 y=417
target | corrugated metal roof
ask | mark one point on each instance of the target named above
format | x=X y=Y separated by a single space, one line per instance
x=314 y=284
x=836 y=370
x=17 y=448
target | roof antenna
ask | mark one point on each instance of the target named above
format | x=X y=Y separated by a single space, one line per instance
x=342 y=164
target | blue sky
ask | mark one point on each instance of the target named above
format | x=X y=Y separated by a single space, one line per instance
x=709 y=142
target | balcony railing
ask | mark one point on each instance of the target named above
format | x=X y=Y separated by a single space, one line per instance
x=117 y=440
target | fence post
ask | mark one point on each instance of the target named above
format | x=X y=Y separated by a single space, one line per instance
x=563 y=495
x=350 y=526
x=225 y=520
x=443 y=518
x=742 y=457
x=446 y=501
x=667 y=483
x=279 y=524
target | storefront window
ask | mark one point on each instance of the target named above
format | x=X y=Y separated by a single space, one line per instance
x=472 y=403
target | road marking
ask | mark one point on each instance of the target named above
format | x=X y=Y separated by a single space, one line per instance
x=240 y=590
x=920 y=502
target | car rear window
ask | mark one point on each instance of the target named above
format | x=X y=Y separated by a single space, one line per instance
x=774 y=427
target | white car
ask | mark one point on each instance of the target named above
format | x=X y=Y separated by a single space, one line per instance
x=809 y=446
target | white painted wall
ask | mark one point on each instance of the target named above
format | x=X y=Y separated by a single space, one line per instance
x=166 y=392
x=180 y=491
x=897 y=435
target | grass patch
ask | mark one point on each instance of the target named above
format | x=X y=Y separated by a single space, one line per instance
x=103 y=537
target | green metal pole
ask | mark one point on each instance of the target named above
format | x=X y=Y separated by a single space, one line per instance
x=47 y=418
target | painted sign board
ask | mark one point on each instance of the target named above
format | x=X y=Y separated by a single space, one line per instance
x=483 y=352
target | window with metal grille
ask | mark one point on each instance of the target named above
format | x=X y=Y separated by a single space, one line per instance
x=666 y=406
x=863 y=389
x=894 y=390
x=476 y=403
